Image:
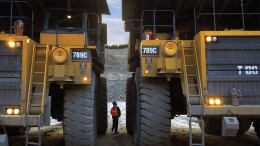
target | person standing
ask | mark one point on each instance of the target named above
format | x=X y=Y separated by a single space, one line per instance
x=116 y=113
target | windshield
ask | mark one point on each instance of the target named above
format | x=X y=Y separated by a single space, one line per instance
x=61 y=18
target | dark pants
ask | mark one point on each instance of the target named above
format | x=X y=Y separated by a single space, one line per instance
x=115 y=124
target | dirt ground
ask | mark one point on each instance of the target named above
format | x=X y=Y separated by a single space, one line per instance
x=53 y=136
x=116 y=74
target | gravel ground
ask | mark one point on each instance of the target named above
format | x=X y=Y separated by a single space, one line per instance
x=116 y=73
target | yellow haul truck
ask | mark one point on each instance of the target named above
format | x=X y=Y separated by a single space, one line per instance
x=60 y=75
x=192 y=57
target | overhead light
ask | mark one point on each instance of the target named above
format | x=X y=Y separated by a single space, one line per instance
x=69 y=16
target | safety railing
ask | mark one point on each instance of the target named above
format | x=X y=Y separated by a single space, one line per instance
x=85 y=28
x=11 y=17
x=214 y=14
x=155 y=25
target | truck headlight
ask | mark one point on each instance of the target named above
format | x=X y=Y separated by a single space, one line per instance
x=13 y=44
x=9 y=111
x=59 y=55
x=170 y=48
x=215 y=101
x=211 y=39
x=16 y=111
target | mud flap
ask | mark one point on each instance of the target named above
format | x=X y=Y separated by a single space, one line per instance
x=4 y=140
x=230 y=126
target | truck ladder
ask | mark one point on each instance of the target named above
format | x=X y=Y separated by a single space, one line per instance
x=191 y=74
x=37 y=86
x=39 y=143
x=199 y=121
x=193 y=87
x=36 y=99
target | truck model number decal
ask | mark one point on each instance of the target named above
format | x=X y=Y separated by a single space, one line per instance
x=248 y=70
x=79 y=55
x=150 y=50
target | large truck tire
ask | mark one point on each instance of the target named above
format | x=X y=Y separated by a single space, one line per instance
x=129 y=106
x=153 y=111
x=256 y=125
x=102 y=106
x=244 y=125
x=214 y=125
x=80 y=114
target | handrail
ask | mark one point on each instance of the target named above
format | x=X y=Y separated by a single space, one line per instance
x=45 y=79
x=196 y=17
x=154 y=21
x=185 y=74
x=198 y=73
x=98 y=31
x=85 y=29
x=30 y=82
x=11 y=16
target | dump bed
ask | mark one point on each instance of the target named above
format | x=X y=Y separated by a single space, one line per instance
x=231 y=62
x=184 y=12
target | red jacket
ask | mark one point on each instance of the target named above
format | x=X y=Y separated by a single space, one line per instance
x=115 y=111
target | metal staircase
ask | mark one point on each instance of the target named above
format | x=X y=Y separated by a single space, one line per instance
x=192 y=83
x=191 y=75
x=36 y=99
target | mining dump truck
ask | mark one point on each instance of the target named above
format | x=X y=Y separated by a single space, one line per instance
x=198 y=58
x=58 y=76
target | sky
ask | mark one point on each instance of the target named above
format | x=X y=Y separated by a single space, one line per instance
x=115 y=25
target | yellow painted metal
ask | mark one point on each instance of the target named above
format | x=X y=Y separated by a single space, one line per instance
x=160 y=65
x=172 y=65
x=200 y=45
x=30 y=81
x=27 y=48
x=70 y=70
x=59 y=72
x=241 y=110
x=63 y=39
x=45 y=86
